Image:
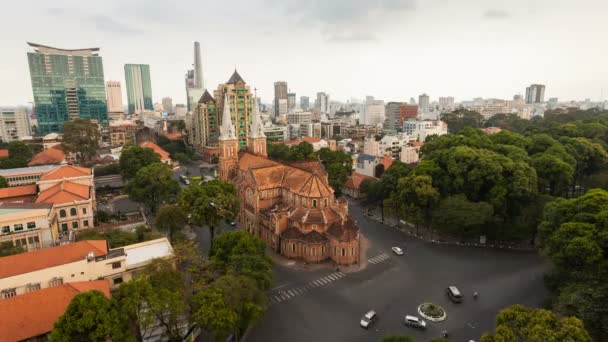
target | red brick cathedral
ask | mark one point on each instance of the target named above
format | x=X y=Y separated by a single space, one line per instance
x=291 y=207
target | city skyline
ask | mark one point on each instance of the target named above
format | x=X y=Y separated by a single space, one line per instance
x=441 y=49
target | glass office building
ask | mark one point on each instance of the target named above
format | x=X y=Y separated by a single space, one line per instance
x=67 y=84
x=139 y=88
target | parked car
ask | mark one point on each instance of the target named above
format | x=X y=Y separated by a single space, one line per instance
x=184 y=179
x=414 y=322
x=368 y=319
x=233 y=223
x=397 y=250
x=454 y=294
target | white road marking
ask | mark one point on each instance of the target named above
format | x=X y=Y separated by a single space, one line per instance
x=291 y=293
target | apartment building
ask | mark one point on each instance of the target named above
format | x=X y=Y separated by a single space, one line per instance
x=87 y=260
x=28 y=225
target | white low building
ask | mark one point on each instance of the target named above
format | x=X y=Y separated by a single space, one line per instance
x=420 y=130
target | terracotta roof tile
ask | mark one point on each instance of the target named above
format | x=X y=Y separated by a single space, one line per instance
x=292 y=234
x=164 y=155
x=51 y=156
x=251 y=161
x=66 y=171
x=311 y=140
x=346 y=231
x=35 y=313
x=355 y=180
x=64 y=192
x=16 y=191
x=314 y=237
x=3 y=153
x=387 y=161
x=174 y=136
x=314 y=216
x=313 y=166
x=49 y=257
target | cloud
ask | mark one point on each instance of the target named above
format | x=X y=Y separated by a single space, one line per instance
x=56 y=11
x=105 y=23
x=495 y=14
x=342 y=20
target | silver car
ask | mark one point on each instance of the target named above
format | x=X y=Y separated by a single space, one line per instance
x=414 y=322
x=397 y=250
x=368 y=319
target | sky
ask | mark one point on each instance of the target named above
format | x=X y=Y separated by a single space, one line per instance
x=391 y=49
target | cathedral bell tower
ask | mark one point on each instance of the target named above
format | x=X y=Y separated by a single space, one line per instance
x=229 y=145
x=256 y=141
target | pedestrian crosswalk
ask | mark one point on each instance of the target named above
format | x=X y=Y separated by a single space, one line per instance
x=379 y=258
x=287 y=294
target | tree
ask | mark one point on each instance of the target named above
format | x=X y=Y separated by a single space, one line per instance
x=3 y=182
x=278 y=151
x=7 y=248
x=229 y=305
x=153 y=185
x=418 y=197
x=337 y=175
x=461 y=118
x=89 y=317
x=302 y=151
x=209 y=203
x=171 y=219
x=519 y=323
x=587 y=301
x=460 y=217
x=81 y=136
x=19 y=154
x=396 y=338
x=244 y=254
x=554 y=174
x=135 y=157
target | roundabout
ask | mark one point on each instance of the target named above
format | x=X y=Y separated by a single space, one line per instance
x=432 y=312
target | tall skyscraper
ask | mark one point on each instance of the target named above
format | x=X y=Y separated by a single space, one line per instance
x=291 y=100
x=304 y=102
x=167 y=104
x=114 y=96
x=67 y=84
x=139 y=88
x=205 y=123
x=280 y=93
x=195 y=84
x=322 y=102
x=198 y=67
x=535 y=93
x=423 y=103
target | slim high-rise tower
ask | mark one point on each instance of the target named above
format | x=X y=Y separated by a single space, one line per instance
x=280 y=93
x=198 y=67
x=67 y=84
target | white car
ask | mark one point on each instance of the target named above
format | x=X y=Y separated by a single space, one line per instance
x=397 y=250
x=415 y=322
x=368 y=319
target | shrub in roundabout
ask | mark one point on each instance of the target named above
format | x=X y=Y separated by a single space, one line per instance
x=432 y=312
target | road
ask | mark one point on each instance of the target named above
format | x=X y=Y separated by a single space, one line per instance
x=327 y=305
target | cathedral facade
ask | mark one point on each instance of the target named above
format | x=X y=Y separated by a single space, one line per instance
x=290 y=206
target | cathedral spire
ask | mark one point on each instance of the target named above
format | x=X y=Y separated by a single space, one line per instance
x=256 y=130
x=226 y=129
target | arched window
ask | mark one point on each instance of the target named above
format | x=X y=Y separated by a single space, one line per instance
x=343 y=252
x=314 y=203
x=325 y=202
x=73 y=211
x=293 y=247
x=62 y=213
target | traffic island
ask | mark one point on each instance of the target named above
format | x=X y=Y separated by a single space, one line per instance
x=432 y=312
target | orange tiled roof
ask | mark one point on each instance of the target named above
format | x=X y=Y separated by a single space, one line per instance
x=387 y=161
x=311 y=140
x=64 y=192
x=35 y=313
x=291 y=142
x=53 y=155
x=49 y=257
x=3 y=153
x=164 y=155
x=17 y=191
x=251 y=161
x=174 y=136
x=66 y=171
x=355 y=180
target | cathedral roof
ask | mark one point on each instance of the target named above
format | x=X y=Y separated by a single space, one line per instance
x=206 y=98
x=346 y=231
x=235 y=78
x=315 y=237
x=292 y=233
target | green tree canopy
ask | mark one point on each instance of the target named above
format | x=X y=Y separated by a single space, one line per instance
x=209 y=203
x=153 y=185
x=396 y=338
x=520 y=323
x=3 y=182
x=81 y=136
x=460 y=217
x=171 y=219
x=134 y=157
x=89 y=317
